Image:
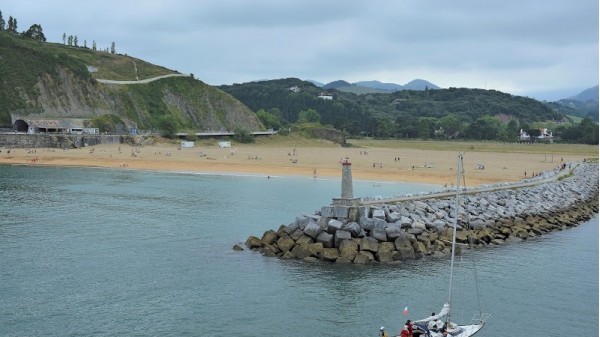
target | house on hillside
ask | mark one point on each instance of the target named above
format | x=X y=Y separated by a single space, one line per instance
x=545 y=135
x=325 y=96
x=295 y=89
x=524 y=136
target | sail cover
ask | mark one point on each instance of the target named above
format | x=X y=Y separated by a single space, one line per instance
x=443 y=313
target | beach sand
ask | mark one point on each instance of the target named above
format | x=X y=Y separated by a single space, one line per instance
x=369 y=164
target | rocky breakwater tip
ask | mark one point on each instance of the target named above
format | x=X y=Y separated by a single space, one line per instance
x=405 y=230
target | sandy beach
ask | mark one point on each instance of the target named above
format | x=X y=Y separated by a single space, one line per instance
x=368 y=162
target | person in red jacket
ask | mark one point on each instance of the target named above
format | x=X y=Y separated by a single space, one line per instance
x=404 y=332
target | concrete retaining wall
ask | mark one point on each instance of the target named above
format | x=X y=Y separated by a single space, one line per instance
x=21 y=140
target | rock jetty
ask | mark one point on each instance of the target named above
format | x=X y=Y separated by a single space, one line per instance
x=391 y=232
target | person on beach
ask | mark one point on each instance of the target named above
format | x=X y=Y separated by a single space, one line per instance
x=382 y=332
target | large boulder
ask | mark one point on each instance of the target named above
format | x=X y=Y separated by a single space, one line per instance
x=379 y=234
x=301 y=251
x=378 y=213
x=340 y=236
x=363 y=257
x=333 y=226
x=285 y=243
x=393 y=231
x=304 y=240
x=369 y=244
x=329 y=254
x=326 y=239
x=312 y=229
x=269 y=237
x=253 y=242
x=404 y=248
x=386 y=256
x=353 y=228
x=348 y=249
x=315 y=249
x=387 y=247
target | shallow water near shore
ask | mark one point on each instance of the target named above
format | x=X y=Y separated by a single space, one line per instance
x=99 y=252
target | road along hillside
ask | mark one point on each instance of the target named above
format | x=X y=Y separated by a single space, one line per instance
x=144 y=81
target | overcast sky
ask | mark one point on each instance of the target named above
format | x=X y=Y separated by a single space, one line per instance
x=546 y=49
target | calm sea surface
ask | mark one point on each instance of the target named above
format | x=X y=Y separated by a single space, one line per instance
x=92 y=252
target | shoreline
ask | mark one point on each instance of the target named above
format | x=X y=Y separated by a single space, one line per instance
x=372 y=164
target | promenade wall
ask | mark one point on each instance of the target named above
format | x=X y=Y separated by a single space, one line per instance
x=23 y=140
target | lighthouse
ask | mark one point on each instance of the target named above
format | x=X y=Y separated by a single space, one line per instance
x=347 y=197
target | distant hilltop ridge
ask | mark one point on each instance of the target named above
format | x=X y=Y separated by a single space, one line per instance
x=365 y=87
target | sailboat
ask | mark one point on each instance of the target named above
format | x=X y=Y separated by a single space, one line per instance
x=420 y=327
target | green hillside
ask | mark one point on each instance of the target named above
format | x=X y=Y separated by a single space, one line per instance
x=457 y=112
x=55 y=80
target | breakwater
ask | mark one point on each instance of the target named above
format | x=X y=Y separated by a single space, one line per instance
x=390 y=231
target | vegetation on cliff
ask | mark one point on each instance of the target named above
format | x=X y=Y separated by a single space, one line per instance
x=53 y=80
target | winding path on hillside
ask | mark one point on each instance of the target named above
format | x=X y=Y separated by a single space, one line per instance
x=144 y=81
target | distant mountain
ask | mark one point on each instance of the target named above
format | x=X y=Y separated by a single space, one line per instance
x=585 y=104
x=317 y=83
x=337 y=84
x=377 y=87
x=419 y=84
x=590 y=94
x=380 y=85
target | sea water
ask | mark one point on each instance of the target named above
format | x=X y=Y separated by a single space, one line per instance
x=98 y=252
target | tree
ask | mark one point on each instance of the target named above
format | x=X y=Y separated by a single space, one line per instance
x=269 y=120
x=75 y=40
x=310 y=115
x=451 y=125
x=2 y=23
x=243 y=135
x=12 y=25
x=94 y=45
x=484 y=128
x=585 y=132
x=70 y=40
x=64 y=38
x=510 y=132
x=84 y=43
x=168 y=126
x=112 y=48
x=35 y=32
x=426 y=127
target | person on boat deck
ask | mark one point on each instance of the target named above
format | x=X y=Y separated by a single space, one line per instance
x=410 y=327
x=382 y=332
x=404 y=332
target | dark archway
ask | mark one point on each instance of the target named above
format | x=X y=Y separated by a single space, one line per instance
x=21 y=126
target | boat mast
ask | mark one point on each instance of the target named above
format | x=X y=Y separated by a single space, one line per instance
x=460 y=168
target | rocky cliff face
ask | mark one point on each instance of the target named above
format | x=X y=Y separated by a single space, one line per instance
x=193 y=104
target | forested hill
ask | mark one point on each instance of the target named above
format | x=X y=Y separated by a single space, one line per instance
x=460 y=112
x=50 y=80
